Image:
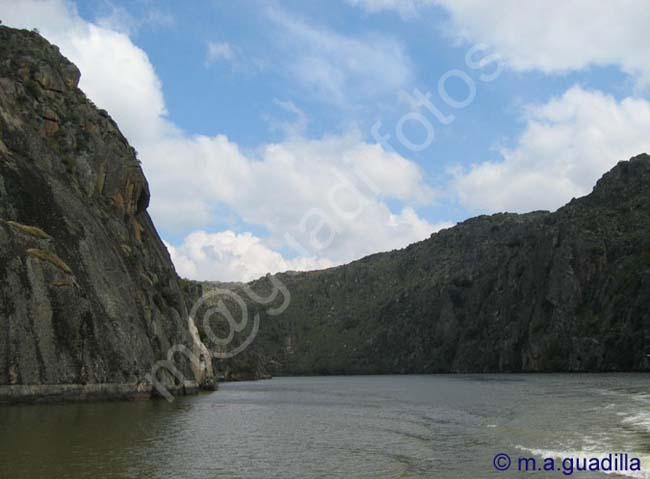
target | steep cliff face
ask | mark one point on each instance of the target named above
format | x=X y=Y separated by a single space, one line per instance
x=562 y=291
x=89 y=299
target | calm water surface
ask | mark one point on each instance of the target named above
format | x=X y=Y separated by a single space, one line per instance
x=342 y=427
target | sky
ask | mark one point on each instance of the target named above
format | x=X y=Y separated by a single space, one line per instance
x=298 y=135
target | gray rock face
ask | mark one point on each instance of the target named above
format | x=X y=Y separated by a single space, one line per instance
x=88 y=295
x=562 y=291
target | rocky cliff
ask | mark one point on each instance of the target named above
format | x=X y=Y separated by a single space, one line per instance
x=89 y=299
x=561 y=291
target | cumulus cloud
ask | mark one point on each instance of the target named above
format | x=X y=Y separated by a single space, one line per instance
x=567 y=35
x=567 y=144
x=550 y=37
x=323 y=198
x=228 y=256
x=570 y=141
x=339 y=182
x=116 y=74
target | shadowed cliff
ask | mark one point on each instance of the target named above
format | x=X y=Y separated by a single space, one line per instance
x=89 y=299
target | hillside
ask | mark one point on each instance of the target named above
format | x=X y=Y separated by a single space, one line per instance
x=561 y=291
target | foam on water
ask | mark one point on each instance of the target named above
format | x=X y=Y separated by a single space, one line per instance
x=638 y=421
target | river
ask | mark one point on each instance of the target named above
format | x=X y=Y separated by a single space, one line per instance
x=440 y=426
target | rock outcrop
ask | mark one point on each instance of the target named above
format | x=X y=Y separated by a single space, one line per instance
x=89 y=298
x=561 y=291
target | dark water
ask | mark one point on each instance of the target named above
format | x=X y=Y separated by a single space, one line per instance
x=343 y=427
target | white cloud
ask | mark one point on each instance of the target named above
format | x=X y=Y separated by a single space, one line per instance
x=568 y=143
x=291 y=186
x=227 y=256
x=193 y=178
x=116 y=74
x=558 y=36
x=571 y=141
x=217 y=51
x=553 y=37
x=342 y=68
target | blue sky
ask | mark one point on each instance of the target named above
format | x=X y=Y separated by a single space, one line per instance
x=248 y=115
